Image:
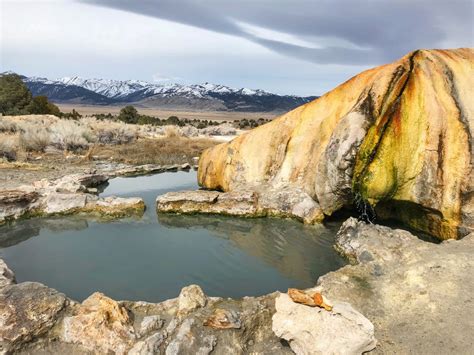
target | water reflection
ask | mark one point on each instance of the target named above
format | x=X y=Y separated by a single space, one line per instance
x=297 y=251
x=19 y=231
x=152 y=258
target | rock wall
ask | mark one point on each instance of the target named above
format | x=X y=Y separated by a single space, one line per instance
x=398 y=137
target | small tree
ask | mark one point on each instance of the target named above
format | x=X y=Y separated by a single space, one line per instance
x=41 y=106
x=14 y=95
x=129 y=114
x=173 y=120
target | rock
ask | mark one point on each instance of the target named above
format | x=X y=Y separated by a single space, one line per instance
x=15 y=203
x=186 y=201
x=115 y=207
x=314 y=331
x=150 y=323
x=223 y=319
x=137 y=170
x=7 y=277
x=65 y=196
x=64 y=203
x=185 y=167
x=172 y=168
x=185 y=342
x=416 y=293
x=27 y=311
x=99 y=324
x=398 y=137
x=149 y=346
x=191 y=298
x=248 y=202
x=78 y=182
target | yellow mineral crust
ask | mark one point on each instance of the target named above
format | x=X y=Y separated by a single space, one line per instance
x=398 y=136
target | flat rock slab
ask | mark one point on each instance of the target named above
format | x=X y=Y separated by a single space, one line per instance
x=63 y=196
x=257 y=201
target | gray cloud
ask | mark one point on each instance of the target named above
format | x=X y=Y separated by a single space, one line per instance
x=367 y=31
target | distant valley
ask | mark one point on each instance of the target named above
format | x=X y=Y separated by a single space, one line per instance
x=207 y=97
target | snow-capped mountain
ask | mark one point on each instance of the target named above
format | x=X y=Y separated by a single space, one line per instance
x=198 y=96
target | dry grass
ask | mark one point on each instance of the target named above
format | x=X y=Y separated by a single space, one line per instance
x=24 y=138
x=166 y=150
x=164 y=113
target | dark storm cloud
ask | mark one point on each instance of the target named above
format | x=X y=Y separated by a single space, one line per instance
x=366 y=31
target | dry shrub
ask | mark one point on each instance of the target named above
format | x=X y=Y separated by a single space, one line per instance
x=8 y=147
x=69 y=135
x=8 y=126
x=110 y=132
x=34 y=139
x=172 y=132
x=176 y=150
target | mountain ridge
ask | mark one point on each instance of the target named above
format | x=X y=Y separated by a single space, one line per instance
x=205 y=96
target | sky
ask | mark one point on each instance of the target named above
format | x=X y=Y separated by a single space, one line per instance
x=302 y=47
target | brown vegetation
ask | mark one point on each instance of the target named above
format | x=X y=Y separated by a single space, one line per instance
x=171 y=149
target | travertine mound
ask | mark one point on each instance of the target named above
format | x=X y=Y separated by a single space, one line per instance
x=397 y=136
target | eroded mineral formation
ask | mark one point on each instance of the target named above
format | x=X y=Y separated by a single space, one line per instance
x=397 y=137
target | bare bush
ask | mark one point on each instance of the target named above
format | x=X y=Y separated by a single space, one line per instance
x=8 y=126
x=172 y=132
x=111 y=132
x=8 y=147
x=34 y=139
x=69 y=135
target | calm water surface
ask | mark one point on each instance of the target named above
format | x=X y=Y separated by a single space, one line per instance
x=153 y=257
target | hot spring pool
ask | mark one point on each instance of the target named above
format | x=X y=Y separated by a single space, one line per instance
x=153 y=257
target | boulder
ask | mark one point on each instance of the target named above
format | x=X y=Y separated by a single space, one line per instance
x=15 y=203
x=99 y=324
x=191 y=298
x=27 y=311
x=397 y=137
x=316 y=331
x=7 y=277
